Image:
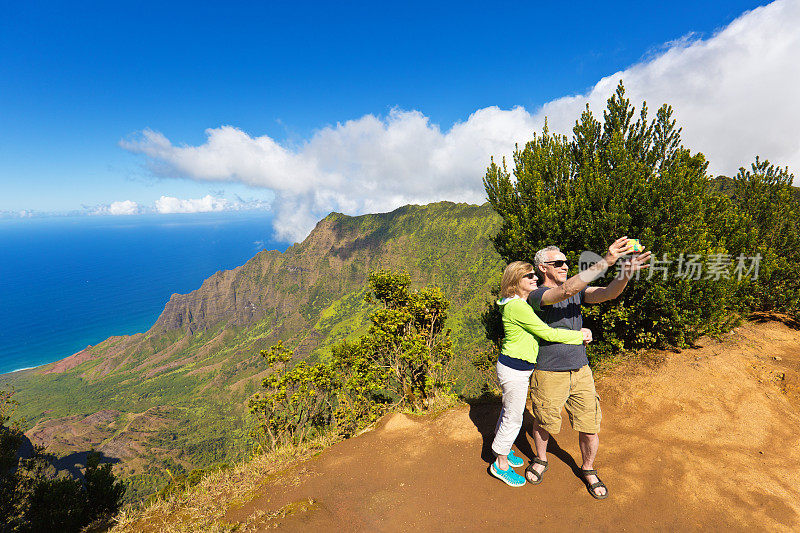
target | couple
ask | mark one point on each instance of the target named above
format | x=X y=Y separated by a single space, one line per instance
x=558 y=370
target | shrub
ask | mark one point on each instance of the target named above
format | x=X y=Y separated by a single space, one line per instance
x=401 y=360
x=770 y=217
x=408 y=337
x=625 y=175
x=294 y=401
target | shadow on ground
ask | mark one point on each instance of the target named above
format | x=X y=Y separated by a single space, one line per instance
x=485 y=414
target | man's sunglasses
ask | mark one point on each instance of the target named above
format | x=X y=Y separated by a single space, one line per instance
x=558 y=263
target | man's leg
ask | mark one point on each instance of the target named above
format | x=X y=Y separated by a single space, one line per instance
x=583 y=407
x=549 y=392
x=589 y=444
x=540 y=439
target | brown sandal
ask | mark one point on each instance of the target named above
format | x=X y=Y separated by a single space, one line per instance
x=592 y=486
x=538 y=475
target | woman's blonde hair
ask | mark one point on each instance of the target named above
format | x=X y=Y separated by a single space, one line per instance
x=512 y=275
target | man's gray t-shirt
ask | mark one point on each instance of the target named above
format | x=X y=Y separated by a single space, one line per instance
x=566 y=314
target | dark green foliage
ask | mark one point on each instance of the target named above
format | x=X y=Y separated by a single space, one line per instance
x=52 y=505
x=401 y=360
x=484 y=360
x=770 y=217
x=35 y=498
x=10 y=440
x=103 y=492
x=10 y=435
x=626 y=175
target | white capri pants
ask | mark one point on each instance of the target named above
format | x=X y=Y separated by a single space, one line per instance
x=514 y=384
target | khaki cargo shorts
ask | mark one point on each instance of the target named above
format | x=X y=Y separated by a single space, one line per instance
x=573 y=389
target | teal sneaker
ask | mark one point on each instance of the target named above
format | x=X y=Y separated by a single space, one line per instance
x=514 y=461
x=509 y=477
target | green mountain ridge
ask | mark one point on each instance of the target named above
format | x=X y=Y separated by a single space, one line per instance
x=174 y=398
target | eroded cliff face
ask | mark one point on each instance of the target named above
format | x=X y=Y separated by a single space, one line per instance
x=280 y=284
x=332 y=260
x=200 y=360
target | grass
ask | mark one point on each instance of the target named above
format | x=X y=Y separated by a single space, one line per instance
x=202 y=508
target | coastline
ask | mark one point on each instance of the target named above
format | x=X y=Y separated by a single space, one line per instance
x=7 y=373
x=76 y=281
x=26 y=368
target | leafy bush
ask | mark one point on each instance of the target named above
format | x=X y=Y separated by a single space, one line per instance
x=295 y=401
x=630 y=175
x=408 y=337
x=770 y=217
x=103 y=493
x=401 y=360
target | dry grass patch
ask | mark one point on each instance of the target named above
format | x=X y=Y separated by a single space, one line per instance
x=202 y=507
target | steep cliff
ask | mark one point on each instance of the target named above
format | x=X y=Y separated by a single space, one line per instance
x=178 y=391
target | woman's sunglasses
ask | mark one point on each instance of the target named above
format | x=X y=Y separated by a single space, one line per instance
x=529 y=275
x=558 y=263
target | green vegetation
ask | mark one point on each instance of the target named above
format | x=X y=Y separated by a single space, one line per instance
x=173 y=400
x=177 y=395
x=34 y=497
x=630 y=175
x=400 y=361
x=182 y=482
x=769 y=211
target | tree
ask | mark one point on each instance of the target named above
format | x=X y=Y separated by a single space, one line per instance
x=408 y=338
x=103 y=492
x=294 y=402
x=10 y=441
x=401 y=360
x=624 y=175
x=770 y=218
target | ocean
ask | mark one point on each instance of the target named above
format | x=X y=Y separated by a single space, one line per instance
x=67 y=282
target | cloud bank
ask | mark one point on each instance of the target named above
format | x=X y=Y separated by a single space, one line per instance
x=733 y=94
x=207 y=204
x=170 y=205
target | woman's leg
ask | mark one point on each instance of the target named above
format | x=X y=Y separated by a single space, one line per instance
x=514 y=384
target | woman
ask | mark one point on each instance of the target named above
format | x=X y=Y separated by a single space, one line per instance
x=515 y=364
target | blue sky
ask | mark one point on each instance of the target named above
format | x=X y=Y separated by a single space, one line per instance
x=76 y=79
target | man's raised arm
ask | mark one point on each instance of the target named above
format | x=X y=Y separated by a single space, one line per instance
x=578 y=282
x=595 y=295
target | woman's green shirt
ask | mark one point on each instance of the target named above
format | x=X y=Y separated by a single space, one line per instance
x=522 y=326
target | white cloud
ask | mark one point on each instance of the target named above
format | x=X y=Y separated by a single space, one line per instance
x=169 y=204
x=124 y=207
x=364 y=165
x=733 y=94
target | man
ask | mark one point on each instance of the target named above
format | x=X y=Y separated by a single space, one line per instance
x=562 y=377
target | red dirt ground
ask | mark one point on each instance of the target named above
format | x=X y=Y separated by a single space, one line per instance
x=705 y=439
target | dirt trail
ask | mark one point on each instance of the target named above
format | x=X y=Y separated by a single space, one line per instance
x=706 y=439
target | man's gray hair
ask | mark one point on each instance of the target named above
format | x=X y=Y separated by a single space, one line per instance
x=541 y=256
